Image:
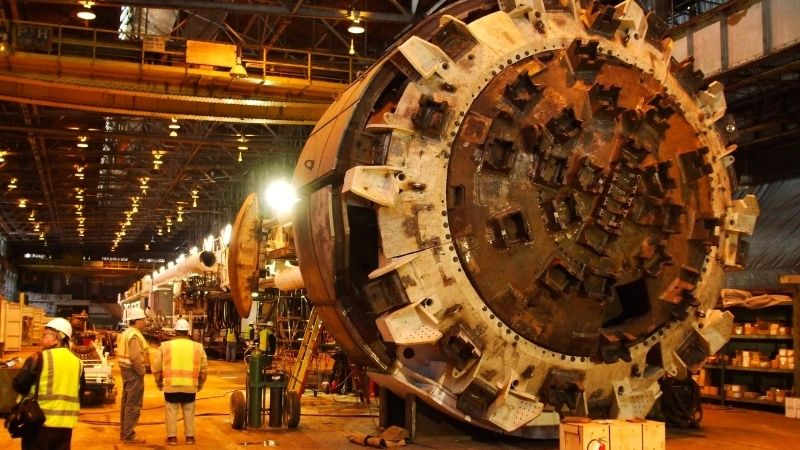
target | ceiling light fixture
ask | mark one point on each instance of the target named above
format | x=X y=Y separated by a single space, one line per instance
x=355 y=27
x=238 y=70
x=355 y=15
x=86 y=13
x=22 y=203
x=242 y=143
x=12 y=184
x=157 y=157
x=174 y=125
x=82 y=142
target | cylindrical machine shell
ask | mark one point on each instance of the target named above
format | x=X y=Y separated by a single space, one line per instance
x=193 y=265
x=289 y=279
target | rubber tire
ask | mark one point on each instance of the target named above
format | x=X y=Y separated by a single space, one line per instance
x=291 y=409
x=238 y=410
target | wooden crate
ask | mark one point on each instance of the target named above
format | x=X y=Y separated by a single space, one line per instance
x=611 y=435
x=792 y=406
x=11 y=325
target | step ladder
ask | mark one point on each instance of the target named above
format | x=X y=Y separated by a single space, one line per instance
x=297 y=381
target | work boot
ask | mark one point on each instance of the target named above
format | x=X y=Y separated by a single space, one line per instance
x=189 y=440
x=172 y=440
x=134 y=440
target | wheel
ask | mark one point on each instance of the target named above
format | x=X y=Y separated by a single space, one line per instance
x=238 y=410
x=291 y=409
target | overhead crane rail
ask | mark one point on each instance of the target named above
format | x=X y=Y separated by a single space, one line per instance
x=99 y=44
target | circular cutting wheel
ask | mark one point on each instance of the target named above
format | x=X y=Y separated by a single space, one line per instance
x=524 y=211
x=243 y=255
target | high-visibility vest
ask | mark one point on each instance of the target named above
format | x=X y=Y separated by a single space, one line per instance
x=231 y=337
x=59 y=387
x=181 y=359
x=263 y=339
x=125 y=339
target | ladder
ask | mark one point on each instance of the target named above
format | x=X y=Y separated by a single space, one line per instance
x=297 y=381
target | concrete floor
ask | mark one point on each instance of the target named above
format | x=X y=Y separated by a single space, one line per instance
x=328 y=419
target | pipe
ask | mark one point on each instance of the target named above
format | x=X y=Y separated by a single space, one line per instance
x=194 y=264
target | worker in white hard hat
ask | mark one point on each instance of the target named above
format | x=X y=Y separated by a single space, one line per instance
x=132 y=355
x=55 y=377
x=180 y=369
x=267 y=342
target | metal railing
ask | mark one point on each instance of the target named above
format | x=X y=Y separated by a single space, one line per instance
x=99 y=44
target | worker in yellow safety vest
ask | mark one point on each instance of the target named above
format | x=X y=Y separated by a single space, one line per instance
x=231 y=344
x=55 y=376
x=132 y=356
x=267 y=342
x=180 y=369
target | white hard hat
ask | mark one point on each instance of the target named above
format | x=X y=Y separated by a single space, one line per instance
x=135 y=314
x=270 y=323
x=182 y=325
x=61 y=325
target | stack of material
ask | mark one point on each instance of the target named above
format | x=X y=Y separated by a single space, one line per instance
x=736 y=297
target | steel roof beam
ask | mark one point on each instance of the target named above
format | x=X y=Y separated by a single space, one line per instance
x=311 y=12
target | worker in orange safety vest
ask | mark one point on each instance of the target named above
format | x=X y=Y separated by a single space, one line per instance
x=180 y=369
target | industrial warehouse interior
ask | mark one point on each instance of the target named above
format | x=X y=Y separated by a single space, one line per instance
x=533 y=224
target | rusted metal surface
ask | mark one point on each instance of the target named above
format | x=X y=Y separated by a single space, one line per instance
x=552 y=240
